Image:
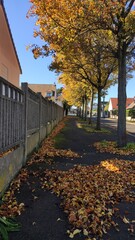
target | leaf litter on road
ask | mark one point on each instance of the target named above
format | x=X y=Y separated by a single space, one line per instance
x=48 y=150
x=111 y=147
x=9 y=204
x=90 y=194
x=10 y=207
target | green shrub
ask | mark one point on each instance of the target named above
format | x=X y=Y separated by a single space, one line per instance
x=127 y=113
x=132 y=113
x=8 y=225
x=115 y=112
x=130 y=146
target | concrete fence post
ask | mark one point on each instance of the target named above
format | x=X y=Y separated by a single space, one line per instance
x=51 y=115
x=40 y=115
x=24 y=87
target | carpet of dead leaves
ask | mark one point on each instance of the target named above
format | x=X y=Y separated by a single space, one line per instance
x=90 y=194
x=9 y=205
x=48 y=146
x=111 y=147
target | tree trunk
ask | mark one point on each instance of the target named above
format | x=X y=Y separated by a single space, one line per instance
x=98 y=127
x=91 y=107
x=121 y=129
x=85 y=114
x=78 y=112
x=83 y=108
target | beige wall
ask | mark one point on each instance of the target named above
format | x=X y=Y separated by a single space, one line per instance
x=110 y=106
x=9 y=67
x=44 y=88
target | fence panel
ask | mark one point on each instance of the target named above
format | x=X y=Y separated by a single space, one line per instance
x=23 y=112
x=49 y=111
x=44 y=110
x=11 y=115
x=32 y=111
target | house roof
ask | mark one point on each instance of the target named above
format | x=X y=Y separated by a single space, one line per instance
x=132 y=105
x=43 y=88
x=5 y=15
x=114 y=102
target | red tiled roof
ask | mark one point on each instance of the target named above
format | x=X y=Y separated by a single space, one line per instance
x=129 y=101
x=132 y=105
x=114 y=102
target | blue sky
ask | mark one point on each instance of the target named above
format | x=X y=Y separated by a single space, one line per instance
x=33 y=70
x=36 y=70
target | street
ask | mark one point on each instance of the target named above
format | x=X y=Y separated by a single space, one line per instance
x=113 y=123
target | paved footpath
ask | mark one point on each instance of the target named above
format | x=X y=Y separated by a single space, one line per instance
x=43 y=218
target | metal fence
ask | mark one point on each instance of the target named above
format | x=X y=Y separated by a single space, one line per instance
x=11 y=115
x=23 y=112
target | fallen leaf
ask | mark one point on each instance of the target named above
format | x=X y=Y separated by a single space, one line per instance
x=85 y=232
x=125 y=220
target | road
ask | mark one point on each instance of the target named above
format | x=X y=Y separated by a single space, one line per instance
x=113 y=123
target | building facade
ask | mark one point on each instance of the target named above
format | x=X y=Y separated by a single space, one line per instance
x=47 y=90
x=10 y=68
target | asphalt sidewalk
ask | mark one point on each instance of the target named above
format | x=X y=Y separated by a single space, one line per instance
x=43 y=217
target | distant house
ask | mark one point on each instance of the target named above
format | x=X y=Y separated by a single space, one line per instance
x=10 y=68
x=132 y=105
x=59 y=100
x=113 y=104
x=47 y=90
x=104 y=107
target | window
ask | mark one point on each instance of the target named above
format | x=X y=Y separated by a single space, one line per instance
x=9 y=92
x=53 y=93
x=3 y=89
x=49 y=94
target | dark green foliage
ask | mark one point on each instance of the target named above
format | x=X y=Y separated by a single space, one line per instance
x=115 y=112
x=132 y=113
x=127 y=113
x=8 y=225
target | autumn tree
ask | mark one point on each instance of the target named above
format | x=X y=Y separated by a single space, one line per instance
x=117 y=18
x=88 y=60
x=76 y=92
x=64 y=22
x=83 y=51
